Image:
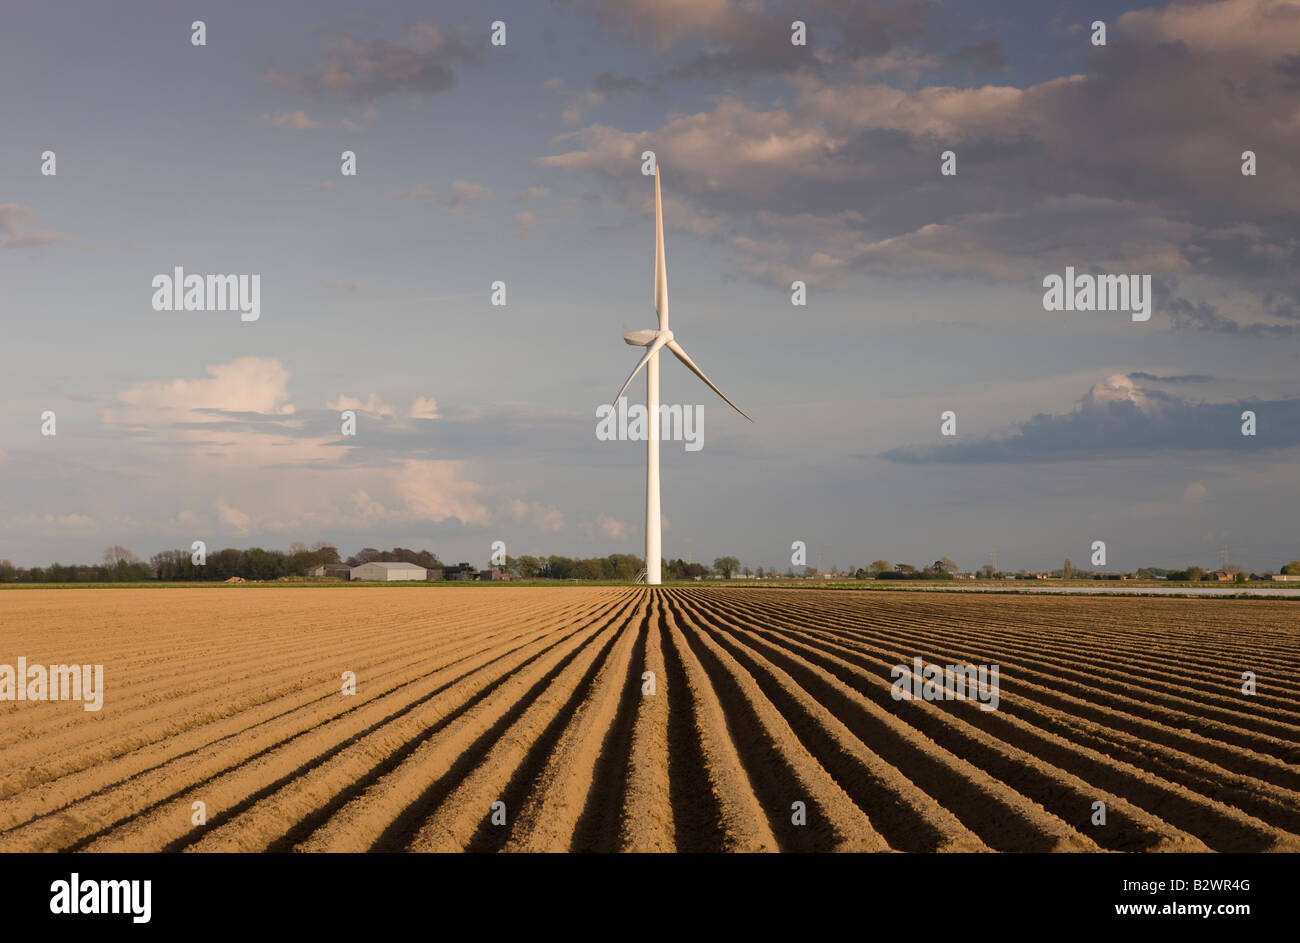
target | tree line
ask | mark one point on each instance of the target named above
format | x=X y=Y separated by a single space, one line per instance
x=121 y=565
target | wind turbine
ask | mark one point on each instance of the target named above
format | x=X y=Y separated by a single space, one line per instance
x=653 y=340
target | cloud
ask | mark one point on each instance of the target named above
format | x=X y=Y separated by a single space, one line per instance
x=1037 y=187
x=257 y=385
x=424 y=407
x=525 y=220
x=416 y=192
x=463 y=192
x=1115 y=419
x=372 y=404
x=979 y=57
x=546 y=518
x=1206 y=317
x=744 y=38
x=51 y=523
x=436 y=491
x=13 y=225
x=608 y=527
x=1180 y=378
x=233 y=517
x=423 y=60
x=291 y=121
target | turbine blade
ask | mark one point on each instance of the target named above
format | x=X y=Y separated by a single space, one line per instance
x=650 y=352
x=661 y=268
x=676 y=348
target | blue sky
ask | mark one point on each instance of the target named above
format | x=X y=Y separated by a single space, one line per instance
x=521 y=163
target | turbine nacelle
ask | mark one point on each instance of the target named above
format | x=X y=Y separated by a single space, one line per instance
x=644 y=338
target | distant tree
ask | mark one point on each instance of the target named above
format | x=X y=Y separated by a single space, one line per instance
x=297 y=547
x=759 y=573
x=905 y=568
x=117 y=555
x=881 y=566
x=1068 y=571
x=1292 y=568
x=328 y=552
x=948 y=564
x=726 y=566
x=529 y=567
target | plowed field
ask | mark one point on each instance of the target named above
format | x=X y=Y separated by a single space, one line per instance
x=538 y=699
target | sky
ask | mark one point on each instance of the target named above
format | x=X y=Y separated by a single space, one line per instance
x=521 y=163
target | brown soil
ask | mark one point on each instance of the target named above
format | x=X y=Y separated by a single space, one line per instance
x=763 y=699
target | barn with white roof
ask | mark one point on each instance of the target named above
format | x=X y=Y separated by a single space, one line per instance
x=388 y=572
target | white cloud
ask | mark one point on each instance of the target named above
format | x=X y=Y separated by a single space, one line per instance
x=424 y=407
x=233 y=517
x=51 y=523
x=372 y=404
x=546 y=518
x=608 y=527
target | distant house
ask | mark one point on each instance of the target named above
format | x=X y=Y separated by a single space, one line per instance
x=1285 y=577
x=333 y=571
x=388 y=572
x=489 y=575
x=462 y=572
x=433 y=574
x=1223 y=577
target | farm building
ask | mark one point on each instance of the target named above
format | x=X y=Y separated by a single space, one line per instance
x=389 y=572
x=333 y=571
x=492 y=574
x=461 y=571
x=434 y=574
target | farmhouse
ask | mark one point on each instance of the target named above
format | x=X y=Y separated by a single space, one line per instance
x=460 y=572
x=333 y=571
x=388 y=572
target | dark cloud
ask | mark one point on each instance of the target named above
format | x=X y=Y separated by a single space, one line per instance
x=1204 y=316
x=744 y=39
x=979 y=57
x=1118 y=420
x=1180 y=378
x=1180 y=94
x=359 y=70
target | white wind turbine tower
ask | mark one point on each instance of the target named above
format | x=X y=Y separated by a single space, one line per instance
x=653 y=340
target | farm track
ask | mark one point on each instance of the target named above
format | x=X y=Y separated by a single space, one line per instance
x=627 y=719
